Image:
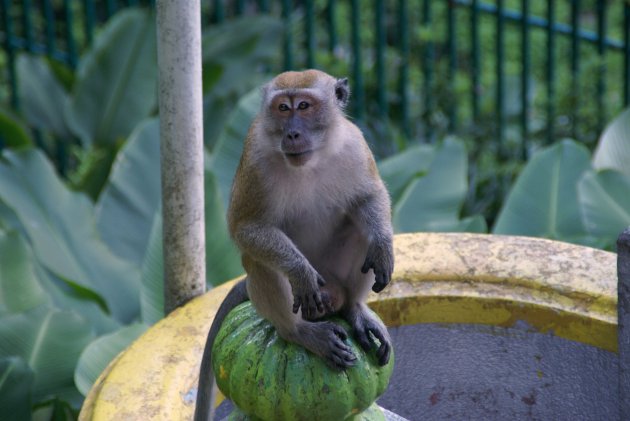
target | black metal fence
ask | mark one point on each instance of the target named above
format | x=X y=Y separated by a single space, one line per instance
x=513 y=71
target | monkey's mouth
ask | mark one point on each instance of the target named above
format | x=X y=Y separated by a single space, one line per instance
x=298 y=158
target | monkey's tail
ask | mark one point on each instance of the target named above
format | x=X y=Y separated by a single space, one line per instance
x=204 y=408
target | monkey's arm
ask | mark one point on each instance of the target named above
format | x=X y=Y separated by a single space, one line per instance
x=372 y=213
x=270 y=246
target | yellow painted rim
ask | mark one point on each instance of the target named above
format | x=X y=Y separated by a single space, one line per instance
x=555 y=287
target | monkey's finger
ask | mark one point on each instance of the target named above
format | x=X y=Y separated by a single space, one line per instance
x=297 y=303
x=306 y=307
x=340 y=362
x=320 y=280
x=366 y=266
x=363 y=339
x=382 y=353
x=317 y=298
x=340 y=332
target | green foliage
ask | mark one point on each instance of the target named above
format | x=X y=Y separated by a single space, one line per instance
x=613 y=149
x=16 y=381
x=127 y=205
x=115 y=88
x=433 y=201
x=543 y=201
x=43 y=99
x=563 y=194
x=13 y=132
x=85 y=279
x=60 y=225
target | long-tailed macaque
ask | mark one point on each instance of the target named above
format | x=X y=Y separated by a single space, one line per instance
x=311 y=217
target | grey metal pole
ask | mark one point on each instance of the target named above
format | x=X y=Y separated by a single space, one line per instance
x=181 y=133
x=623 y=320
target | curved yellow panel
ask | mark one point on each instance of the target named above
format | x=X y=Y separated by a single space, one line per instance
x=452 y=278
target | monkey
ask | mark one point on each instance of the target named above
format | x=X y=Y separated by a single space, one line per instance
x=312 y=220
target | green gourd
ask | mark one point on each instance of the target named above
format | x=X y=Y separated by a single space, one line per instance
x=270 y=379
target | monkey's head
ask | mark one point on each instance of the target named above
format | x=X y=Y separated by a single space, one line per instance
x=298 y=110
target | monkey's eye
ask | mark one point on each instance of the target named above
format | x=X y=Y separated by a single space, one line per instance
x=283 y=107
x=303 y=105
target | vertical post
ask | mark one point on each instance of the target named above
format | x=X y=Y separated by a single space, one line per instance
x=474 y=51
x=525 y=72
x=380 y=41
x=575 y=64
x=49 y=18
x=623 y=322
x=452 y=64
x=427 y=70
x=500 y=71
x=181 y=132
x=601 y=74
x=89 y=16
x=310 y=34
x=73 y=57
x=332 y=27
x=288 y=43
x=403 y=33
x=9 y=48
x=357 y=66
x=626 y=60
x=551 y=75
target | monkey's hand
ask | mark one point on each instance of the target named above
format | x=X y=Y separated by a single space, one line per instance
x=380 y=258
x=306 y=294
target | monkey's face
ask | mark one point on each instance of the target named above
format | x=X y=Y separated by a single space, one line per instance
x=299 y=124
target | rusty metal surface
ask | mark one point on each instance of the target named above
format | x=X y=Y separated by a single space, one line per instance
x=558 y=290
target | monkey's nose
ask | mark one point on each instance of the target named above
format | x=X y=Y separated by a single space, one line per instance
x=293 y=135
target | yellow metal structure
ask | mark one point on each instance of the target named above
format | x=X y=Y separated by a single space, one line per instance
x=555 y=287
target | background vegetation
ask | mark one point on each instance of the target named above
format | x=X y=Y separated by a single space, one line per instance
x=80 y=221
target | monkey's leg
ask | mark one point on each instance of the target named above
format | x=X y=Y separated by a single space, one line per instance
x=271 y=294
x=366 y=328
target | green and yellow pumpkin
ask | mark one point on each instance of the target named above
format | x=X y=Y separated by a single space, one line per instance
x=270 y=379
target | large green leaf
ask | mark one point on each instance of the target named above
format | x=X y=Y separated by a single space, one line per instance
x=13 y=133
x=43 y=99
x=232 y=50
x=227 y=152
x=98 y=354
x=50 y=341
x=613 y=148
x=152 y=289
x=127 y=205
x=61 y=227
x=223 y=260
x=432 y=202
x=116 y=84
x=24 y=285
x=20 y=289
x=16 y=380
x=605 y=202
x=84 y=302
x=543 y=201
x=397 y=171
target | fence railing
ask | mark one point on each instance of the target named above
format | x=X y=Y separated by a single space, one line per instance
x=514 y=71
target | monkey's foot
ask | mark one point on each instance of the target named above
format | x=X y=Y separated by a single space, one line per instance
x=366 y=329
x=326 y=339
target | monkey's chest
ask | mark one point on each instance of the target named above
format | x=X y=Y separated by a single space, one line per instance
x=313 y=229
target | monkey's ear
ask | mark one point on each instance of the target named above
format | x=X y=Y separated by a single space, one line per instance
x=342 y=91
